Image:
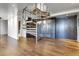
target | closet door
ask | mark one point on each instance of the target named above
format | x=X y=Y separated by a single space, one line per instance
x=66 y=27
x=71 y=29
x=46 y=28
x=50 y=26
x=60 y=28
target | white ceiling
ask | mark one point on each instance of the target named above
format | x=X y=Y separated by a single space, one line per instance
x=60 y=7
x=54 y=7
x=23 y=5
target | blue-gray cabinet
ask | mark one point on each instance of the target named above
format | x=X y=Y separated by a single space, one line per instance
x=61 y=27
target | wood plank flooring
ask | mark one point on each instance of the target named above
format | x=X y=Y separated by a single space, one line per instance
x=44 y=47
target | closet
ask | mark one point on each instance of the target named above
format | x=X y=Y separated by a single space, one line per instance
x=66 y=27
x=61 y=27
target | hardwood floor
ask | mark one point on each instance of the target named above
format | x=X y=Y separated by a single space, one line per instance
x=44 y=47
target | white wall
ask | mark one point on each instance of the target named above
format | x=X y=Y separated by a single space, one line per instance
x=3 y=21
x=12 y=21
x=4 y=11
x=3 y=27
